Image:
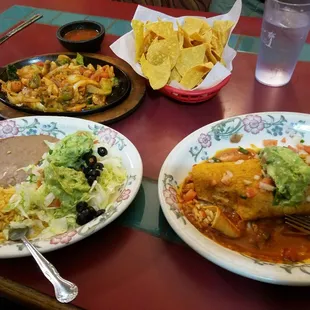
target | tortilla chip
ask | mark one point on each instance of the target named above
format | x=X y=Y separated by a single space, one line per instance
x=221 y=29
x=149 y=37
x=175 y=76
x=190 y=57
x=138 y=30
x=181 y=39
x=197 y=37
x=207 y=36
x=186 y=38
x=192 y=25
x=159 y=50
x=158 y=75
x=210 y=55
x=161 y=29
x=205 y=28
x=194 y=76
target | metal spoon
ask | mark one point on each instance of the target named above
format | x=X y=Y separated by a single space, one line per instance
x=65 y=291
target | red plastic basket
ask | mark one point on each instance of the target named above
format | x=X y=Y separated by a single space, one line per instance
x=194 y=96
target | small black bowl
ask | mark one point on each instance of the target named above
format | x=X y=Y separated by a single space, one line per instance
x=91 y=45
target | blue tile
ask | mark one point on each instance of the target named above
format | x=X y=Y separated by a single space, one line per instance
x=105 y=21
x=249 y=44
x=6 y=24
x=65 y=18
x=233 y=40
x=48 y=15
x=17 y=12
x=119 y=27
x=305 y=53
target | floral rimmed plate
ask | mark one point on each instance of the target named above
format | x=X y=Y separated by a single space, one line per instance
x=199 y=146
x=59 y=127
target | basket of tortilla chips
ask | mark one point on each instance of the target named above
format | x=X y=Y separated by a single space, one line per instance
x=186 y=58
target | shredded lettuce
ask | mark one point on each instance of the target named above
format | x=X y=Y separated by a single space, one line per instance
x=56 y=227
x=110 y=180
x=79 y=59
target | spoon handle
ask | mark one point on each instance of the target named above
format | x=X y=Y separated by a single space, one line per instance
x=65 y=291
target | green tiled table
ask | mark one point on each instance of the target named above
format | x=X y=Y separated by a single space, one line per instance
x=138 y=262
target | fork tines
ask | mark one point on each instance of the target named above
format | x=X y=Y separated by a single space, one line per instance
x=301 y=223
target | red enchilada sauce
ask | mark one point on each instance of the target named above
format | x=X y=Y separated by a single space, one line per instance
x=81 y=34
x=268 y=239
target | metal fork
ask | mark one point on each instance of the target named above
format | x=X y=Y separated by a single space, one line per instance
x=299 y=222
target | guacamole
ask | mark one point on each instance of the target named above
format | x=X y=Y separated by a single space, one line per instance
x=69 y=151
x=68 y=185
x=289 y=172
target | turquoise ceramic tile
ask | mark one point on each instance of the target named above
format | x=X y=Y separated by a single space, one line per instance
x=119 y=27
x=6 y=24
x=48 y=15
x=65 y=18
x=233 y=40
x=105 y=21
x=305 y=53
x=145 y=213
x=17 y=12
x=249 y=44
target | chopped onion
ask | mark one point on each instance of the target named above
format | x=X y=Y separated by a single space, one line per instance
x=239 y=162
x=49 y=199
x=247 y=182
x=256 y=177
x=266 y=187
x=226 y=177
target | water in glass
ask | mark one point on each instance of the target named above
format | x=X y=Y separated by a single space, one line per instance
x=282 y=38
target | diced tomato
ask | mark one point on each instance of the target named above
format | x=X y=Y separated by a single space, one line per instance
x=251 y=192
x=190 y=195
x=40 y=63
x=95 y=77
x=292 y=148
x=300 y=147
x=283 y=140
x=55 y=203
x=105 y=75
x=270 y=142
x=203 y=213
x=82 y=70
x=307 y=148
x=267 y=181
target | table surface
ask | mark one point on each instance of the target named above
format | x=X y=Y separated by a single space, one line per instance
x=138 y=261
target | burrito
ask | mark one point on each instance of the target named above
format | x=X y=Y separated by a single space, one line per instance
x=239 y=199
x=243 y=186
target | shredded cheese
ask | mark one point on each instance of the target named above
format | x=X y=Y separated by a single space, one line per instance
x=5 y=196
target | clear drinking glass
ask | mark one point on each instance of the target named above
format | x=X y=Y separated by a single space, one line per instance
x=285 y=28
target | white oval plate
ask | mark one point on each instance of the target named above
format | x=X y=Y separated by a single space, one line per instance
x=59 y=127
x=204 y=143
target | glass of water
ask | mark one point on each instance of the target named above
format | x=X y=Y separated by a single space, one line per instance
x=285 y=28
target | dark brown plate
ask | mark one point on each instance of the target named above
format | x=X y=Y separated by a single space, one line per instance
x=119 y=93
